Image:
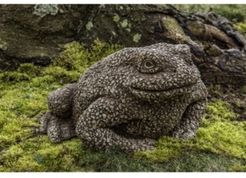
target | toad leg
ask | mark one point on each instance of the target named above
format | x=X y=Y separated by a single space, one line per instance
x=57 y=122
x=190 y=120
x=94 y=126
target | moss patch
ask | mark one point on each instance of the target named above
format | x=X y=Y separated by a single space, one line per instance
x=241 y=26
x=218 y=146
x=173 y=28
x=223 y=138
x=218 y=134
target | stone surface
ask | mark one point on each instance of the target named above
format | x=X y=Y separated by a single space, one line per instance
x=36 y=33
x=130 y=99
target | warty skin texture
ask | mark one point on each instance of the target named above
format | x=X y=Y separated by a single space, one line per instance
x=130 y=99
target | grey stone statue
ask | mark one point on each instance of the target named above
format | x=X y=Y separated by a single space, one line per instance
x=130 y=99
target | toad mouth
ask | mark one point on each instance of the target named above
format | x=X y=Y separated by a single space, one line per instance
x=138 y=89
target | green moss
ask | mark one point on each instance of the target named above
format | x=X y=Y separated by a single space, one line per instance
x=62 y=75
x=59 y=156
x=218 y=146
x=166 y=148
x=219 y=111
x=43 y=81
x=13 y=77
x=23 y=100
x=74 y=57
x=241 y=27
x=23 y=96
x=174 y=30
x=237 y=167
x=29 y=69
x=160 y=155
x=100 y=49
x=223 y=138
x=24 y=73
x=40 y=154
x=219 y=134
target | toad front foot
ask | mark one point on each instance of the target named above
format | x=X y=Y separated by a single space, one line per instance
x=57 y=129
x=190 y=121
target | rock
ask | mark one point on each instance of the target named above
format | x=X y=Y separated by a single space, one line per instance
x=35 y=33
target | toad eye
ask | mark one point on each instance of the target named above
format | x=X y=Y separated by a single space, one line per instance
x=149 y=64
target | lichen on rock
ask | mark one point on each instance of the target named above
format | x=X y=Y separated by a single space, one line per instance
x=89 y=26
x=46 y=9
x=137 y=37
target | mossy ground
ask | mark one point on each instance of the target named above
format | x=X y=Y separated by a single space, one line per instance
x=219 y=145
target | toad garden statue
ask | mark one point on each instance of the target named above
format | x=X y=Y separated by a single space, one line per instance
x=130 y=99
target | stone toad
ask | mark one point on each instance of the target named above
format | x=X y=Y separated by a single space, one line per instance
x=130 y=99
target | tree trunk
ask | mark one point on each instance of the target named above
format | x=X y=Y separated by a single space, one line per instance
x=37 y=33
